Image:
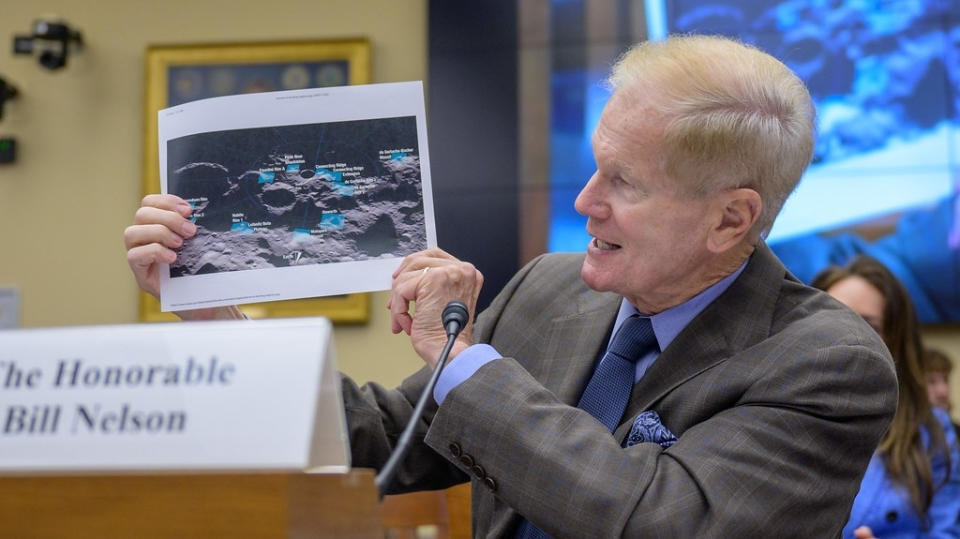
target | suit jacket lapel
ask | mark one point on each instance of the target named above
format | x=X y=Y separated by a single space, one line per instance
x=738 y=318
x=574 y=343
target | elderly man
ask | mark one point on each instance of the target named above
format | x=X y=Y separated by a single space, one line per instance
x=675 y=381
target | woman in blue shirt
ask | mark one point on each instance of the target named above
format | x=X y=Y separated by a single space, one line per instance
x=912 y=484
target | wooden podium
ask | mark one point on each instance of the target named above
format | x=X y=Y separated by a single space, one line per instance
x=185 y=505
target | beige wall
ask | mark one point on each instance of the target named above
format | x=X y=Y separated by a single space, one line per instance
x=76 y=183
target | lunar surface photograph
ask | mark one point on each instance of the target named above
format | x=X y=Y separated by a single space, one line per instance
x=299 y=194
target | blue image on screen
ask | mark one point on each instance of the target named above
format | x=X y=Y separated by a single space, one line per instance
x=885 y=79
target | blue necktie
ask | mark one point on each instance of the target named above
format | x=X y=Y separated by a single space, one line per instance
x=608 y=391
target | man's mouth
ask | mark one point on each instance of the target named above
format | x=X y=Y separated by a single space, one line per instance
x=602 y=245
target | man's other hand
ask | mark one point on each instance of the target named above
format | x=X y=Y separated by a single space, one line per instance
x=161 y=225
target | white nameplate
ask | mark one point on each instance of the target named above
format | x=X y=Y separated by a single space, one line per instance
x=236 y=395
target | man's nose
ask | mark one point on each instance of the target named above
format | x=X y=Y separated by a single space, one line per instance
x=588 y=201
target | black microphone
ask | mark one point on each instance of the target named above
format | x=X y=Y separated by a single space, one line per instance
x=454 y=318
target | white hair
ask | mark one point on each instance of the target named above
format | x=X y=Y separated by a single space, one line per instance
x=734 y=116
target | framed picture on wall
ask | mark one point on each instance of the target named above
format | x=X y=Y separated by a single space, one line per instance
x=177 y=74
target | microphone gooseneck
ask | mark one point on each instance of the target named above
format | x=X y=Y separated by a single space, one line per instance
x=454 y=318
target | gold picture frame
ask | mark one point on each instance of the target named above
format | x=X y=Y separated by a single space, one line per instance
x=180 y=73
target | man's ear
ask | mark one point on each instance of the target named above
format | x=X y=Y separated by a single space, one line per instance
x=736 y=212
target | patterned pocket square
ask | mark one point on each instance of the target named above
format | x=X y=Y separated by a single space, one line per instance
x=648 y=428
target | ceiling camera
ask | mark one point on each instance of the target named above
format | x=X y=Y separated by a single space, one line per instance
x=51 y=41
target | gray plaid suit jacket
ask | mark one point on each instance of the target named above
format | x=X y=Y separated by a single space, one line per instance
x=778 y=394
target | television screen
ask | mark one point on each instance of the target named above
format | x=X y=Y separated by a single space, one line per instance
x=884 y=179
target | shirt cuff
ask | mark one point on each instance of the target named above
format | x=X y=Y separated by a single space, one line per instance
x=462 y=367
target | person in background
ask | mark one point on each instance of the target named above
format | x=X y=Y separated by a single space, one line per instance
x=936 y=371
x=912 y=485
